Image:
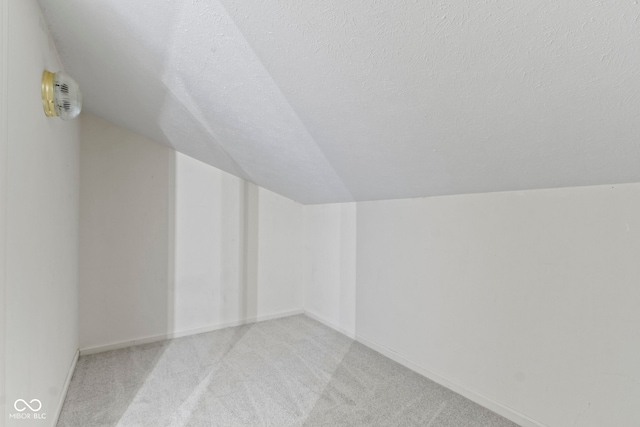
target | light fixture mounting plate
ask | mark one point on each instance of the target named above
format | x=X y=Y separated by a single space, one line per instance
x=47 y=94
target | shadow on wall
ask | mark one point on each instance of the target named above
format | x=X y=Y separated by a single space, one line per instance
x=215 y=249
x=147 y=237
x=238 y=212
x=168 y=244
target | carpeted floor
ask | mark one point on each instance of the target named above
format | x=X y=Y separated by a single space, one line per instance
x=287 y=372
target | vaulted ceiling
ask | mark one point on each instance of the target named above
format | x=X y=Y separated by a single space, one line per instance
x=331 y=101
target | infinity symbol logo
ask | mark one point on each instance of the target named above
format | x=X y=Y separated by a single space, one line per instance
x=26 y=405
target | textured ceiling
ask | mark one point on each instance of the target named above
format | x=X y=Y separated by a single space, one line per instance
x=330 y=101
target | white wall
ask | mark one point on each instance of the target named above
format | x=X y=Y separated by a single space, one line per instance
x=236 y=249
x=170 y=245
x=281 y=255
x=208 y=246
x=41 y=225
x=125 y=229
x=526 y=298
x=330 y=284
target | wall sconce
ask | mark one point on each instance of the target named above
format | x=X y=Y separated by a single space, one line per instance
x=61 y=96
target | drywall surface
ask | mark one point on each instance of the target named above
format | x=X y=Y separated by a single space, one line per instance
x=330 y=285
x=333 y=101
x=237 y=251
x=41 y=228
x=171 y=245
x=208 y=245
x=528 y=298
x=126 y=182
x=281 y=256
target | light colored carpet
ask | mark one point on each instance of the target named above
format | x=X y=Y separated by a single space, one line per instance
x=287 y=372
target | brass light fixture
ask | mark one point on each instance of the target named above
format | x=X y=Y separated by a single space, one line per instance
x=61 y=96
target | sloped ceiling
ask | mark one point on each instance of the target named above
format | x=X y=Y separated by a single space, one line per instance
x=332 y=101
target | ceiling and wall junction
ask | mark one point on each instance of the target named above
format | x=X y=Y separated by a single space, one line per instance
x=330 y=101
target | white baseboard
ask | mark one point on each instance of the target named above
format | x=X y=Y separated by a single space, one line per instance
x=65 y=388
x=478 y=398
x=178 y=334
x=330 y=324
